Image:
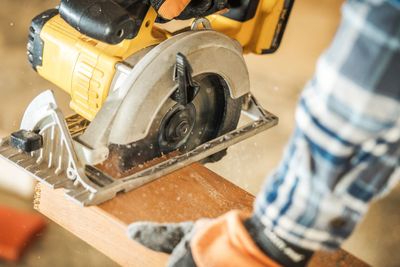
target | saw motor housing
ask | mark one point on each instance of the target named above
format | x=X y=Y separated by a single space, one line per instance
x=85 y=67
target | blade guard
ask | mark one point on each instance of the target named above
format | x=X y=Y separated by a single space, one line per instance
x=136 y=104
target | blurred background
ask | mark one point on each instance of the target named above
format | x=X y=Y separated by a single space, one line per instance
x=276 y=81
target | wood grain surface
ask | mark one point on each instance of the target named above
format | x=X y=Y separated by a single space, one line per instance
x=188 y=194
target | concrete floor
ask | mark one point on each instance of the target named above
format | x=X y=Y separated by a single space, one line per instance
x=276 y=81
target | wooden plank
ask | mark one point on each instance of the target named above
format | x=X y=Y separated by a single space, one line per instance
x=188 y=194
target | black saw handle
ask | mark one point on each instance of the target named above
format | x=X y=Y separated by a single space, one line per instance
x=105 y=20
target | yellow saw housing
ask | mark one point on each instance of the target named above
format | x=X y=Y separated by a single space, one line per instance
x=85 y=67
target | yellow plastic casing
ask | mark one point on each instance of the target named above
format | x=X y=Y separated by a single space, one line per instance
x=258 y=34
x=85 y=67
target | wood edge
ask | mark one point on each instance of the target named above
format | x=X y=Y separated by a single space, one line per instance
x=89 y=224
x=129 y=253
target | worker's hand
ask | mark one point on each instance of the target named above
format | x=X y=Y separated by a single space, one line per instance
x=224 y=241
x=186 y=9
x=171 y=238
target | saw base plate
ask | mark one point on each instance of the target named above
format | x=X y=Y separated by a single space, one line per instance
x=89 y=185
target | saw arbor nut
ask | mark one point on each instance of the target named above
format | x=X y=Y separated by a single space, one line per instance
x=176 y=127
x=27 y=141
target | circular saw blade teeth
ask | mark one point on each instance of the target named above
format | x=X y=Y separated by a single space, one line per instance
x=180 y=128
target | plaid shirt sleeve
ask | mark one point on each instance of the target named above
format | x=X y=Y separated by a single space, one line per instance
x=345 y=150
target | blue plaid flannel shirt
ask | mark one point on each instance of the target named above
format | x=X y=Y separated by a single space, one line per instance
x=345 y=150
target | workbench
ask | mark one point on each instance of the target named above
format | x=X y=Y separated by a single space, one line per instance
x=188 y=194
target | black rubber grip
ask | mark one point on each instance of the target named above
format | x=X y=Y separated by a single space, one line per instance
x=35 y=43
x=242 y=10
x=201 y=8
x=27 y=141
x=104 y=20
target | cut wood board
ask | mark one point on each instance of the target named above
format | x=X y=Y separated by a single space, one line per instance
x=188 y=194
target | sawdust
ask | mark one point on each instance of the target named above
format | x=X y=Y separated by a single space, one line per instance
x=37 y=196
x=111 y=166
x=216 y=194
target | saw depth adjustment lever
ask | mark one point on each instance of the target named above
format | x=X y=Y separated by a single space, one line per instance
x=187 y=88
x=105 y=20
x=180 y=121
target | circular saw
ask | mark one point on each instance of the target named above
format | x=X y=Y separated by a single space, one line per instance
x=148 y=101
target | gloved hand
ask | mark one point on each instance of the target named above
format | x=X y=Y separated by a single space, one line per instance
x=171 y=238
x=230 y=240
x=186 y=9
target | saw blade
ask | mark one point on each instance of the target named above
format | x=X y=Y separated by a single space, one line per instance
x=178 y=95
x=179 y=128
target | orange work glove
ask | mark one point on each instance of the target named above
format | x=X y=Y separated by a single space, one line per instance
x=226 y=241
